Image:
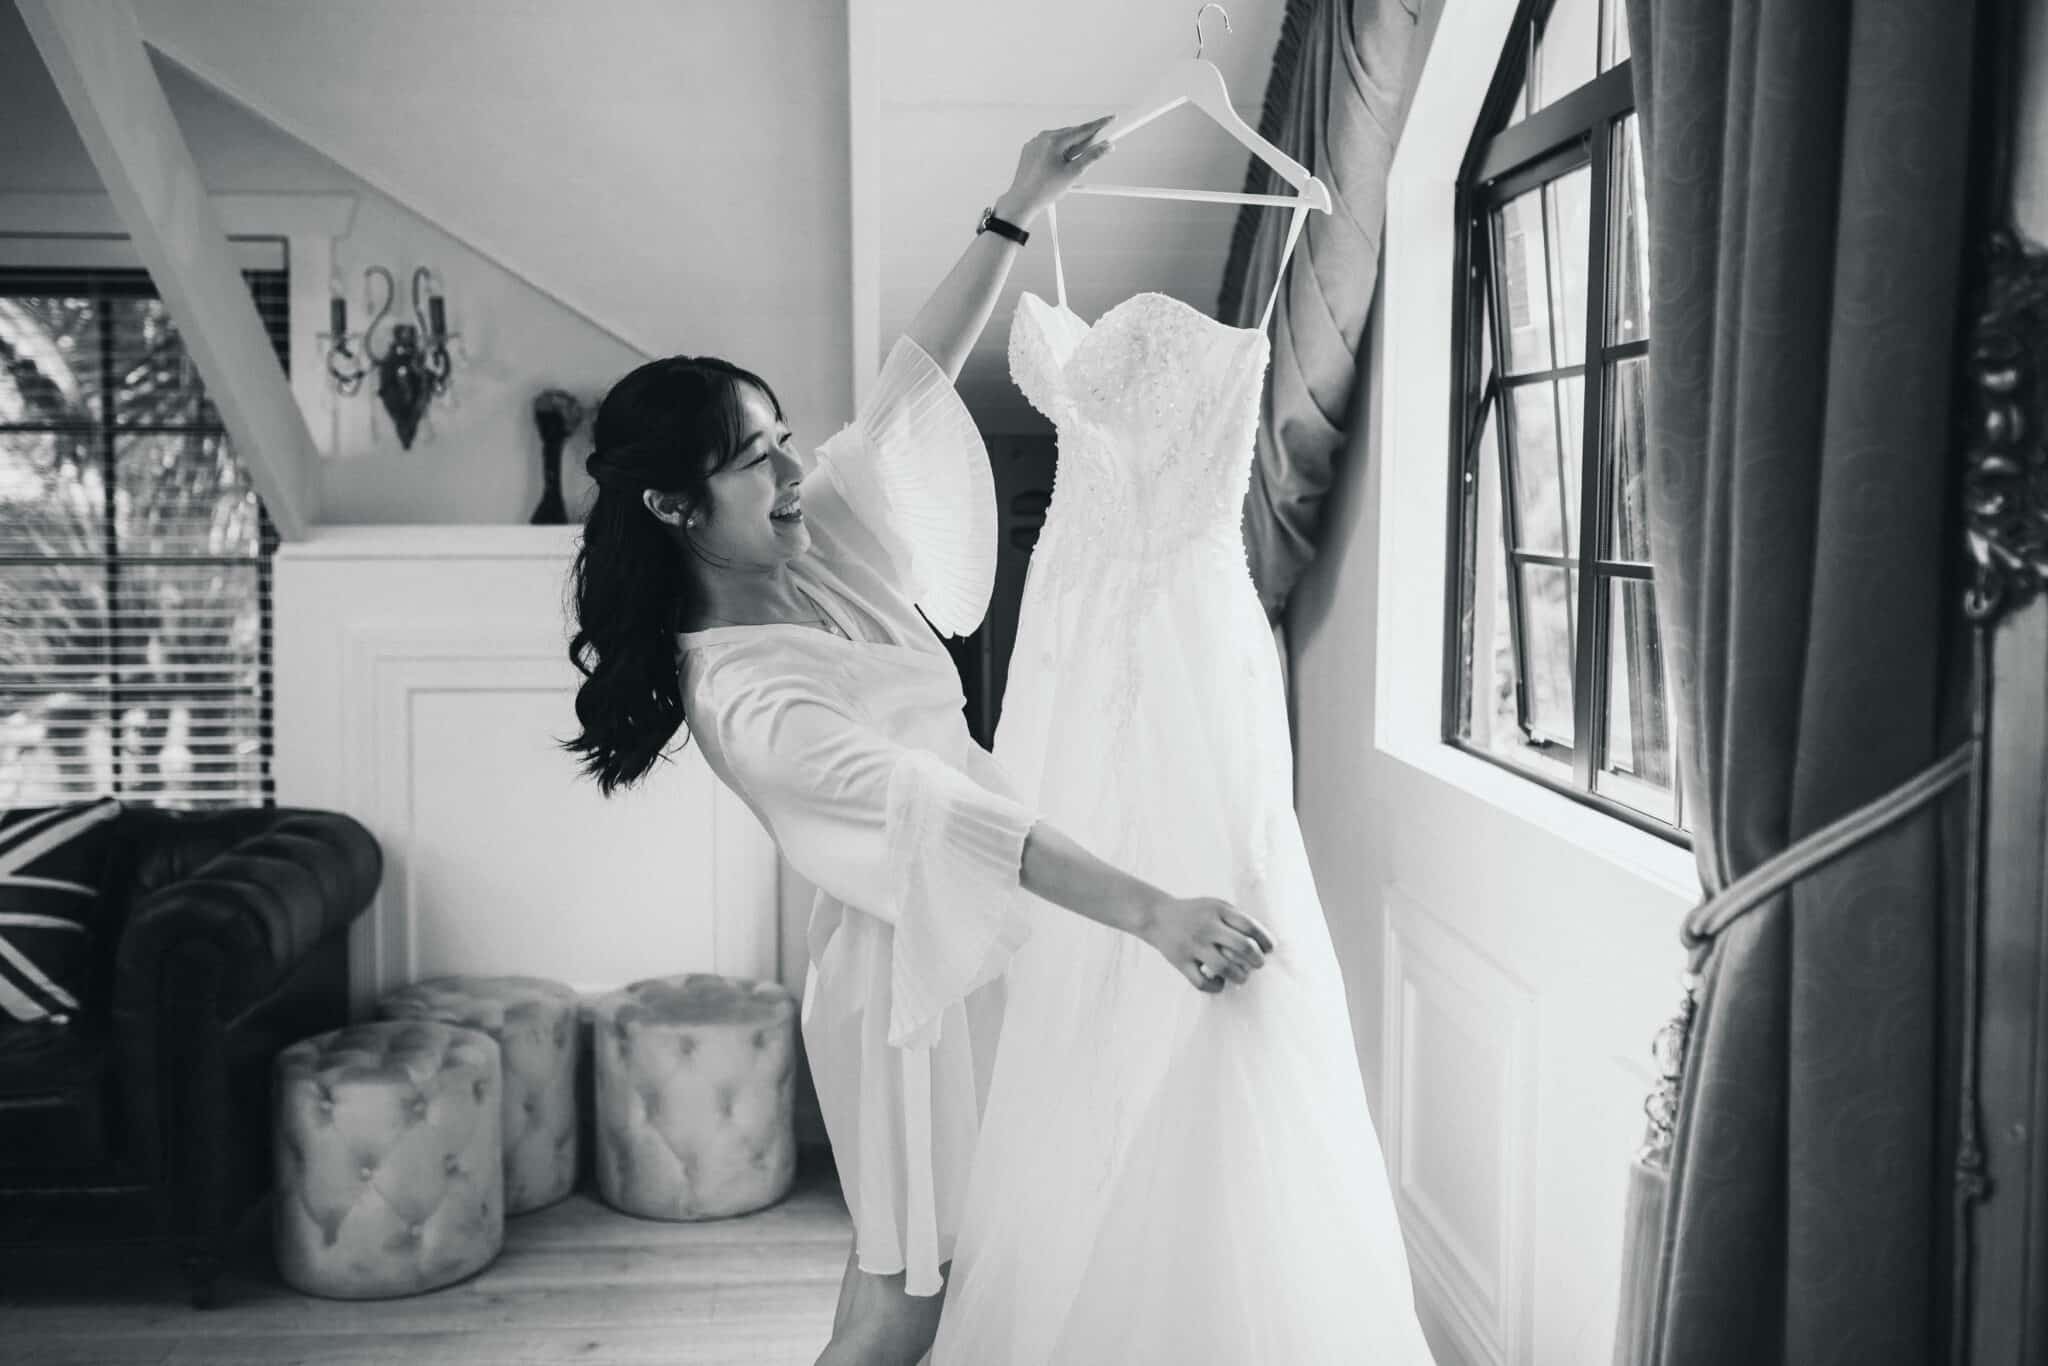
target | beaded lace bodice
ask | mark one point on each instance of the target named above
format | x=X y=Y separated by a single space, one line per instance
x=1156 y=406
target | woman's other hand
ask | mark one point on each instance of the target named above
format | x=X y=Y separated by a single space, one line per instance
x=1048 y=167
x=1210 y=942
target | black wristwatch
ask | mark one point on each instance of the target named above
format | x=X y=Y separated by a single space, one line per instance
x=1001 y=227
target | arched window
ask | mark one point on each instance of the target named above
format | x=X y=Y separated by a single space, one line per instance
x=1555 y=664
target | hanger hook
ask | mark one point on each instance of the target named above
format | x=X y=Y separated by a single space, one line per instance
x=1199 y=14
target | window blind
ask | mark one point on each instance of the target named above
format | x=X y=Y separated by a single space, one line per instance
x=135 y=557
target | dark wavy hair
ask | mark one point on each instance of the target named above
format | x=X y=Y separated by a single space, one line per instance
x=669 y=425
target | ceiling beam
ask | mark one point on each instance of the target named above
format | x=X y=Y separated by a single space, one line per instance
x=96 y=56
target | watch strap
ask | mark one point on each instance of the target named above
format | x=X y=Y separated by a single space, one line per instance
x=1002 y=227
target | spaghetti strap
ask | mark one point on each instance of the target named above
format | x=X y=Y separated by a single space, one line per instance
x=1059 y=271
x=1279 y=275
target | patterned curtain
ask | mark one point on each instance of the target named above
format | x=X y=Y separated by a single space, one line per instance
x=1806 y=191
x=1342 y=76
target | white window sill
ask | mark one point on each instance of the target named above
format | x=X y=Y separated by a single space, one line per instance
x=1668 y=866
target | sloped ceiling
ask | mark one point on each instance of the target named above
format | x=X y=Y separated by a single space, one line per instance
x=677 y=171
x=674 y=170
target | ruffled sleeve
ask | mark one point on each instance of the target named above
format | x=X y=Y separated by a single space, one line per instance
x=912 y=468
x=892 y=831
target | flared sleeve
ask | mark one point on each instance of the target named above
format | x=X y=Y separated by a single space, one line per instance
x=890 y=830
x=912 y=467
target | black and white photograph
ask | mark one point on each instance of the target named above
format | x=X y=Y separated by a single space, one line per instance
x=1090 y=683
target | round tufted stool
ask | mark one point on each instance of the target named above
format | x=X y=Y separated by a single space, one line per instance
x=387 y=1153
x=534 y=1022
x=696 y=1079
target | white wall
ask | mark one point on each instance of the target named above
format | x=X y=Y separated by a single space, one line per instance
x=948 y=92
x=1506 y=970
x=645 y=179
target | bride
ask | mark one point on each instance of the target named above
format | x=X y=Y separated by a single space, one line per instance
x=771 y=604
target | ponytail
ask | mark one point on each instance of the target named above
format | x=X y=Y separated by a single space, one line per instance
x=669 y=426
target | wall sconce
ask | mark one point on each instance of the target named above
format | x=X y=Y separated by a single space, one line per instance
x=414 y=365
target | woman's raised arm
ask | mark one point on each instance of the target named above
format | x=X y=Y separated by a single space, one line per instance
x=953 y=317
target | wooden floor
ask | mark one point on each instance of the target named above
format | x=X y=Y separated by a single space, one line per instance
x=576 y=1282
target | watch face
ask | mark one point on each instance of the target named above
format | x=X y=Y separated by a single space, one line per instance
x=986 y=214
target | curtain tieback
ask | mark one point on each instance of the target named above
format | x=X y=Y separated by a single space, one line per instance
x=1714 y=915
x=1822 y=847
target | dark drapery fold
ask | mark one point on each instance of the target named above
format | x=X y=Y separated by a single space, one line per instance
x=1805 y=172
x=1339 y=89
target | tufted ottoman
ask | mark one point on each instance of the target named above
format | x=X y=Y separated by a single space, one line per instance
x=534 y=1022
x=696 y=1078
x=386 y=1144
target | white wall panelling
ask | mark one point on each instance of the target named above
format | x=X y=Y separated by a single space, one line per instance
x=1457 y=1119
x=423 y=682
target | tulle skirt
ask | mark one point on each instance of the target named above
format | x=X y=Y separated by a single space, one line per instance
x=1165 y=1176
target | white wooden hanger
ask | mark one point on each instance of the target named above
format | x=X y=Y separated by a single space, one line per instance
x=1196 y=81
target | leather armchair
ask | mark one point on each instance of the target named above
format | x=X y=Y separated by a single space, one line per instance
x=226 y=941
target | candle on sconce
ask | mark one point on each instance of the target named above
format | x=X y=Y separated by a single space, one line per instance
x=438 y=315
x=337 y=317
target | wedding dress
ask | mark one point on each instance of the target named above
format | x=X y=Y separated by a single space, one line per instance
x=1164 y=1177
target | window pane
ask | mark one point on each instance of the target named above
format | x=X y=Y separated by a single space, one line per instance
x=1519 y=110
x=1628 y=262
x=55 y=744
x=158 y=384
x=188 y=677
x=1571 y=455
x=1485 y=316
x=1637 y=768
x=52 y=498
x=124 y=676
x=1482 y=599
x=1499 y=699
x=1523 y=282
x=1548 y=605
x=1566 y=50
x=1614 y=34
x=1545 y=490
x=1490 y=714
x=183 y=493
x=1567 y=203
x=1629 y=530
x=49 y=361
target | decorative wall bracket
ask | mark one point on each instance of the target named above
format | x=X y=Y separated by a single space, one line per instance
x=415 y=363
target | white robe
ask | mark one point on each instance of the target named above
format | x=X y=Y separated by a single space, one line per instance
x=855 y=754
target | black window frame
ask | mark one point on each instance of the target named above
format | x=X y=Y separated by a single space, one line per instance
x=1505 y=159
x=270 y=289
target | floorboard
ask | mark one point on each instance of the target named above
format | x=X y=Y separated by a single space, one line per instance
x=576 y=1282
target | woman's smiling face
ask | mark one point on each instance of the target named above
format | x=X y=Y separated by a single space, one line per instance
x=753 y=517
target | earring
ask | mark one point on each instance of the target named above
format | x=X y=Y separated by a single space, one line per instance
x=690 y=520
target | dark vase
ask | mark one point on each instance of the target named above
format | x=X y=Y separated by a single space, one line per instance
x=557 y=414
